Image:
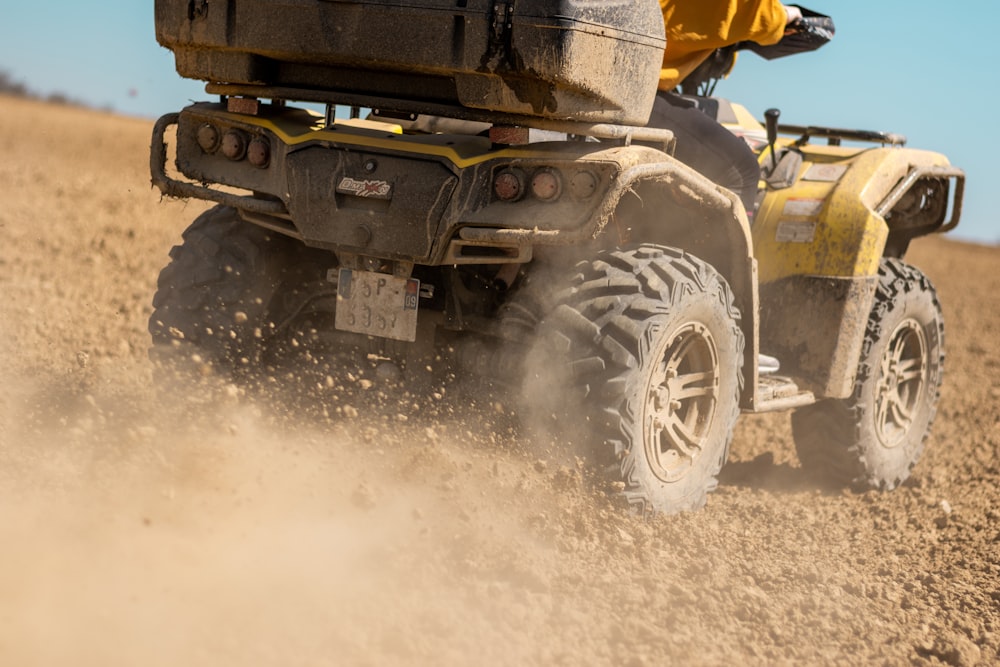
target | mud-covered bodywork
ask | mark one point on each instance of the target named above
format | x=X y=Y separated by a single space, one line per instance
x=366 y=186
x=819 y=238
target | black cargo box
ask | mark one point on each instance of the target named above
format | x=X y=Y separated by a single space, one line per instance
x=585 y=60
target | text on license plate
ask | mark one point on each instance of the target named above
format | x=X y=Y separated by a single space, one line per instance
x=377 y=304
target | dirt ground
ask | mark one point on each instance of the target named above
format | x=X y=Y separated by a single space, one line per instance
x=144 y=526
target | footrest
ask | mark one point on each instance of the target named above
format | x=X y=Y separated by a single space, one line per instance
x=775 y=393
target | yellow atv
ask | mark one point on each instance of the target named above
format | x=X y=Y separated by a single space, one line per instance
x=503 y=204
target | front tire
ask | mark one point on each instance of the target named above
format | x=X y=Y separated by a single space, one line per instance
x=646 y=351
x=873 y=438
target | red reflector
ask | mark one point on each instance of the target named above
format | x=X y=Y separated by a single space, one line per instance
x=508 y=135
x=244 y=105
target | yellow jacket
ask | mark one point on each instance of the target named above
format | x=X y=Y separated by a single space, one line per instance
x=695 y=28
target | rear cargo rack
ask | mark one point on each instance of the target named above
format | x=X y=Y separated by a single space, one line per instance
x=398 y=108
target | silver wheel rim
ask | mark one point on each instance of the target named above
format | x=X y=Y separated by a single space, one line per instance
x=901 y=384
x=681 y=401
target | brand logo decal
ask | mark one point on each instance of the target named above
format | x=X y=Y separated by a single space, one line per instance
x=365 y=188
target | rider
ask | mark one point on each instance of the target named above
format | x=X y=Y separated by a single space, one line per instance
x=694 y=30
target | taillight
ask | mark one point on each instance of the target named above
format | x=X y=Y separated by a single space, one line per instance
x=234 y=145
x=259 y=152
x=546 y=185
x=509 y=185
x=208 y=138
x=583 y=184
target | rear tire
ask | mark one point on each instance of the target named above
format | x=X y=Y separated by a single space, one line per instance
x=641 y=365
x=212 y=301
x=873 y=438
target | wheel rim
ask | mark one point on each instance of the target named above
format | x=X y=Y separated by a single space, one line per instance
x=681 y=401
x=902 y=382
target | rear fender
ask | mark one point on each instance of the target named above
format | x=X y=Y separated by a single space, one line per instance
x=668 y=203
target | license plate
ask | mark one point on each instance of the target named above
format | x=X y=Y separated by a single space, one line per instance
x=377 y=304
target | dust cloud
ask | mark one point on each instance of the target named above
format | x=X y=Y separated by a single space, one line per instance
x=145 y=527
x=147 y=524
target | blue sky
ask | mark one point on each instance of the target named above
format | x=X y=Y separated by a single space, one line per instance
x=913 y=67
